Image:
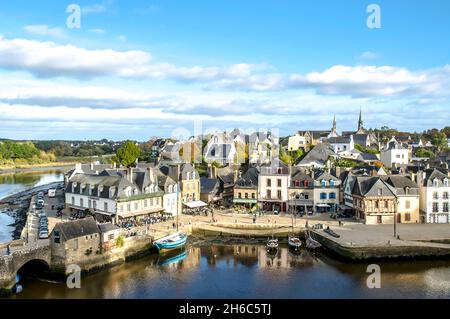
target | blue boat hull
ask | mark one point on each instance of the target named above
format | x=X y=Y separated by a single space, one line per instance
x=165 y=245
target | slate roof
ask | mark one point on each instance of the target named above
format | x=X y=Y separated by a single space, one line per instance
x=208 y=185
x=78 y=228
x=107 y=227
x=249 y=179
x=402 y=183
x=432 y=174
x=369 y=186
x=320 y=153
x=368 y=157
x=339 y=140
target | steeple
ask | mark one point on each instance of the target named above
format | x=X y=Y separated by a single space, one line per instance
x=361 y=129
x=334 y=129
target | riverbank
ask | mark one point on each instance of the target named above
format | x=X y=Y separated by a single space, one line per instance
x=55 y=166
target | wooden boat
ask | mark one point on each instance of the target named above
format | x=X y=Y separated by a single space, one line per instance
x=331 y=233
x=173 y=241
x=294 y=242
x=311 y=243
x=272 y=244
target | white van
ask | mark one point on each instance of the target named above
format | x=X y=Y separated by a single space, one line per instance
x=52 y=192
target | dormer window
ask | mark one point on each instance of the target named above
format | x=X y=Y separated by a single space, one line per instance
x=74 y=185
x=111 y=192
x=446 y=182
x=380 y=192
x=324 y=183
x=331 y=183
x=91 y=190
x=188 y=175
x=82 y=187
x=435 y=183
x=193 y=175
x=99 y=190
x=135 y=191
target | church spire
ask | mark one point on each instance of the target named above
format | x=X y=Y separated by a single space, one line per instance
x=334 y=129
x=360 y=123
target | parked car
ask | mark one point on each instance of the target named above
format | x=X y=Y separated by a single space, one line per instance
x=42 y=214
x=52 y=192
x=276 y=211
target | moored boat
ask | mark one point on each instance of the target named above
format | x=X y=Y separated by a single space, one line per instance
x=331 y=233
x=294 y=242
x=272 y=244
x=173 y=241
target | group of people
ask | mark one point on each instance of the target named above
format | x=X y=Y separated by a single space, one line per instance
x=198 y=212
x=148 y=220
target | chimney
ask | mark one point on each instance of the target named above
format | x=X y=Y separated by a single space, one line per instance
x=131 y=174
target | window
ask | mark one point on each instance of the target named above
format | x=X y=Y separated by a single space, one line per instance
x=89 y=203
x=446 y=182
x=129 y=207
x=73 y=200
x=246 y=195
x=331 y=183
x=269 y=194
x=445 y=208
x=81 y=202
x=386 y=204
x=110 y=237
x=332 y=195
x=297 y=183
x=57 y=236
x=324 y=183
x=279 y=182
x=269 y=182
x=306 y=196
x=145 y=203
x=151 y=201
x=279 y=194
x=435 y=183
x=376 y=205
x=408 y=204
x=435 y=207
x=445 y=195
x=379 y=219
x=380 y=192
x=435 y=195
x=253 y=195
x=135 y=206
x=239 y=195
x=105 y=207
x=407 y=217
x=323 y=195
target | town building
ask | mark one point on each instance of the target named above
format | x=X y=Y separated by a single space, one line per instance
x=318 y=157
x=341 y=144
x=394 y=154
x=301 y=192
x=326 y=192
x=407 y=198
x=210 y=191
x=374 y=200
x=246 y=189
x=168 y=182
x=297 y=142
x=114 y=194
x=434 y=195
x=273 y=183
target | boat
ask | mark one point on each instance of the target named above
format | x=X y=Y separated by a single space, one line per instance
x=272 y=244
x=331 y=233
x=173 y=241
x=294 y=242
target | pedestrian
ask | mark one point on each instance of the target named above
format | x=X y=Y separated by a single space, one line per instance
x=8 y=249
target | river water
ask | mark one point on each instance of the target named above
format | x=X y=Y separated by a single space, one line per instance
x=246 y=271
x=15 y=183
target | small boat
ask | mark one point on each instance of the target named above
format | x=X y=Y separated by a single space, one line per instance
x=173 y=241
x=331 y=233
x=294 y=242
x=272 y=244
x=312 y=244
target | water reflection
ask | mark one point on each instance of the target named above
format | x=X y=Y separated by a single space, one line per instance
x=247 y=271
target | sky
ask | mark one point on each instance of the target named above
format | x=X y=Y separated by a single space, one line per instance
x=138 y=69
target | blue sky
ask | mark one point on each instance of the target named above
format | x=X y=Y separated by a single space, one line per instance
x=137 y=69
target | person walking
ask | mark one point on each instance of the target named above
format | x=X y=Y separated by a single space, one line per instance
x=8 y=249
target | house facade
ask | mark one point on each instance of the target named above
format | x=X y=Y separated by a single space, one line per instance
x=273 y=183
x=434 y=195
x=326 y=192
x=301 y=192
x=246 y=189
x=394 y=154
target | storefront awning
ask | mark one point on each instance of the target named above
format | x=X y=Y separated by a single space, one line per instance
x=323 y=205
x=244 y=201
x=142 y=213
x=195 y=204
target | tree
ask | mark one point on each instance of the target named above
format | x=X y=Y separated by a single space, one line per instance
x=422 y=152
x=439 y=140
x=128 y=153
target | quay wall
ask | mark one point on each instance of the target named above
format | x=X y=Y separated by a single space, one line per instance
x=406 y=250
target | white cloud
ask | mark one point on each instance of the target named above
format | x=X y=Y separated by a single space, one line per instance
x=45 y=30
x=97 y=7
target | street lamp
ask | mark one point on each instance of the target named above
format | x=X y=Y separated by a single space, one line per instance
x=397 y=202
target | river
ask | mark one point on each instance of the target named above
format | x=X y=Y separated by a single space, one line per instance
x=246 y=271
x=15 y=183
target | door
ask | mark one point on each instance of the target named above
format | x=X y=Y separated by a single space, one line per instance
x=380 y=219
x=399 y=218
x=442 y=219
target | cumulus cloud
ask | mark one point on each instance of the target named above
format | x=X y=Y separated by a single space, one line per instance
x=368 y=55
x=97 y=7
x=45 y=30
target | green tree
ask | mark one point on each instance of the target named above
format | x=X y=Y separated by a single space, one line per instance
x=422 y=152
x=127 y=154
x=439 y=140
